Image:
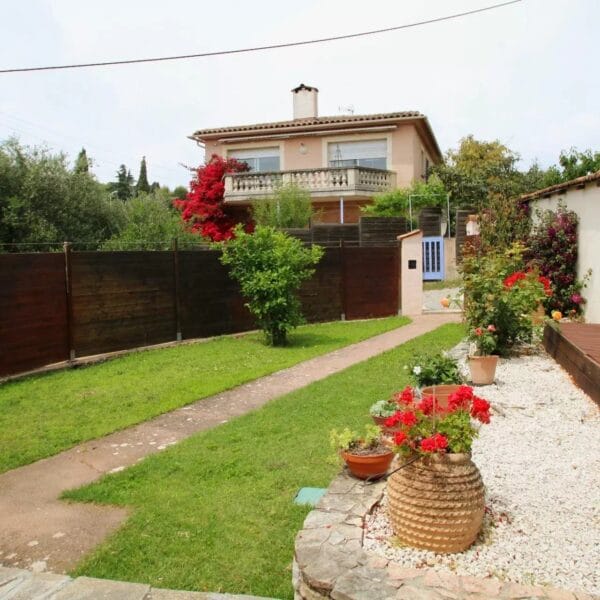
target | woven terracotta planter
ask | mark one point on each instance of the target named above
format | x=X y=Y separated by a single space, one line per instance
x=437 y=503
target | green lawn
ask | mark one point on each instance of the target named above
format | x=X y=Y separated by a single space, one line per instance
x=215 y=512
x=44 y=414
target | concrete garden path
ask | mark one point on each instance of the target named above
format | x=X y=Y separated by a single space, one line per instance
x=40 y=532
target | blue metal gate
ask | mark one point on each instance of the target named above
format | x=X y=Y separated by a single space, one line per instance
x=433 y=258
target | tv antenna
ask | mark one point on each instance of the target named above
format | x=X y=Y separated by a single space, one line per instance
x=349 y=110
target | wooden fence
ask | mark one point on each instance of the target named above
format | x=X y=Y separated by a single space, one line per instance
x=55 y=307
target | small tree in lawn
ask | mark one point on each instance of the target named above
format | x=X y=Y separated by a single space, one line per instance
x=270 y=266
x=204 y=207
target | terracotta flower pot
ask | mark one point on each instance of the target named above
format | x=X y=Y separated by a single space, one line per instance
x=483 y=369
x=441 y=393
x=539 y=314
x=378 y=420
x=437 y=503
x=368 y=465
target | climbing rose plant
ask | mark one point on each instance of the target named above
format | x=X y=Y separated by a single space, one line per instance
x=553 y=250
x=422 y=426
x=204 y=207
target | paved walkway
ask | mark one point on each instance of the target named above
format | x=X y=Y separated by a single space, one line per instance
x=41 y=532
x=19 y=584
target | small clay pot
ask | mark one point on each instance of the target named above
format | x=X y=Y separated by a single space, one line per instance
x=368 y=465
x=379 y=420
x=483 y=369
x=441 y=393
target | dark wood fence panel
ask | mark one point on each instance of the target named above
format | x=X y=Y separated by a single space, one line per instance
x=321 y=295
x=210 y=302
x=371 y=277
x=430 y=221
x=380 y=231
x=334 y=233
x=33 y=311
x=122 y=300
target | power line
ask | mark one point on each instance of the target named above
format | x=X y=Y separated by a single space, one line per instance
x=256 y=48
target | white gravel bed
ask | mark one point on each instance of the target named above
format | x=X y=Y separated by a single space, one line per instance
x=540 y=462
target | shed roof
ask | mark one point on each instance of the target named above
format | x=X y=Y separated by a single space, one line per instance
x=561 y=187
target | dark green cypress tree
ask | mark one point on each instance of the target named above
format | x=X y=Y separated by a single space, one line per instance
x=142 y=185
x=82 y=164
x=123 y=187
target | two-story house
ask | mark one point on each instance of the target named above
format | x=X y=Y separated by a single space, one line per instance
x=343 y=161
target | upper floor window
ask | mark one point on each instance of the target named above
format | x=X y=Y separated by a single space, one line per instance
x=367 y=153
x=258 y=159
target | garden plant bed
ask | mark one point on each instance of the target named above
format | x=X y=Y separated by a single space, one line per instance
x=540 y=461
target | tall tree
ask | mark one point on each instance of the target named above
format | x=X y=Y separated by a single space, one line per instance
x=82 y=163
x=123 y=187
x=42 y=200
x=477 y=169
x=142 y=185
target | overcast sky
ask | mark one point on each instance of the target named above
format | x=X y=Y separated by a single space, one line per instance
x=526 y=74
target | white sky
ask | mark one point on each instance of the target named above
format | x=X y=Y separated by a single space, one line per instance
x=526 y=74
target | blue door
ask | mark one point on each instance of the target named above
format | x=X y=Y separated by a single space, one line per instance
x=433 y=258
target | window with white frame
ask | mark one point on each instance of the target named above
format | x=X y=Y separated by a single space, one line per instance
x=258 y=159
x=364 y=153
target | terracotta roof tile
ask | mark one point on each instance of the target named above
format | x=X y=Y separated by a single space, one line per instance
x=312 y=121
x=559 y=187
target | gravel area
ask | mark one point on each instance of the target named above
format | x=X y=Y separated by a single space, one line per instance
x=431 y=298
x=540 y=462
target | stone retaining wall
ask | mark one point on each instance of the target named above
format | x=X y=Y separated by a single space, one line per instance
x=330 y=561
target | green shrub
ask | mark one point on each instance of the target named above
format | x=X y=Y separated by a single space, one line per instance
x=434 y=369
x=290 y=207
x=270 y=267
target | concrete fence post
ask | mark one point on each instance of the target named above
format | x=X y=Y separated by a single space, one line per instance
x=411 y=273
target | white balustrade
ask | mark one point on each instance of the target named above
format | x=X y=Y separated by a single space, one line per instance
x=343 y=181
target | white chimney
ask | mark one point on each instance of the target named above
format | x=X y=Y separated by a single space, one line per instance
x=305 y=102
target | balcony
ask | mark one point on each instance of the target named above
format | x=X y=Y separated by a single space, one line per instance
x=321 y=183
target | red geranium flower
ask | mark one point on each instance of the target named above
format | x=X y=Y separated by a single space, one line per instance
x=480 y=409
x=461 y=399
x=406 y=396
x=434 y=443
x=408 y=418
x=426 y=405
x=400 y=438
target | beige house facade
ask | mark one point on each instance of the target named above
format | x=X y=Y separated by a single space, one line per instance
x=582 y=196
x=343 y=161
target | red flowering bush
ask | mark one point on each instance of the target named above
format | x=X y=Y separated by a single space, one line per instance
x=204 y=207
x=422 y=426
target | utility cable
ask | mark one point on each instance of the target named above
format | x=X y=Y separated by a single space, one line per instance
x=256 y=48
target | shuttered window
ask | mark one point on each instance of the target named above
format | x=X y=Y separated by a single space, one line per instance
x=367 y=153
x=258 y=159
